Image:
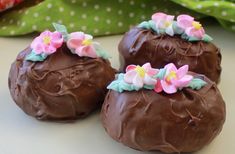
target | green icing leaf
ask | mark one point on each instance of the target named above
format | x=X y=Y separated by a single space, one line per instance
x=207 y=38
x=120 y=85
x=160 y=74
x=35 y=57
x=177 y=29
x=144 y=24
x=102 y=53
x=62 y=29
x=197 y=83
x=193 y=39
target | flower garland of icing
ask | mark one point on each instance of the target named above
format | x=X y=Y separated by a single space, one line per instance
x=168 y=79
x=184 y=25
x=79 y=43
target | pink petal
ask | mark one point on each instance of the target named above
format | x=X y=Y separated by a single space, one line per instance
x=74 y=43
x=184 y=21
x=129 y=76
x=147 y=66
x=45 y=33
x=183 y=82
x=77 y=35
x=191 y=31
x=38 y=48
x=138 y=81
x=149 y=70
x=130 y=67
x=57 y=43
x=159 y=16
x=170 y=67
x=170 y=18
x=148 y=80
x=87 y=51
x=158 y=86
x=182 y=71
x=168 y=88
x=90 y=52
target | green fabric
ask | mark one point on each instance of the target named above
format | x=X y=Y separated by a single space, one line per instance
x=105 y=17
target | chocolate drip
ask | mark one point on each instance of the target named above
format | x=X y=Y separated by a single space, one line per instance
x=63 y=87
x=182 y=122
x=139 y=46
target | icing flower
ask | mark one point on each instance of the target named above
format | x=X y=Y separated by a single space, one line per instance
x=47 y=42
x=192 y=28
x=174 y=79
x=140 y=76
x=81 y=44
x=164 y=22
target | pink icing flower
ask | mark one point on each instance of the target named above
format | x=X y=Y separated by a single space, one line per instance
x=174 y=79
x=191 y=27
x=81 y=44
x=138 y=76
x=47 y=42
x=164 y=22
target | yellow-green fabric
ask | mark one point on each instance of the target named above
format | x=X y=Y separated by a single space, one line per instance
x=105 y=17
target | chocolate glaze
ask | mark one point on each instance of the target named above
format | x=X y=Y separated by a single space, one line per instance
x=139 y=46
x=63 y=87
x=181 y=122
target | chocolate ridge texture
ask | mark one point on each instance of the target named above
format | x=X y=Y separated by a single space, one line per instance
x=62 y=87
x=182 y=122
x=139 y=46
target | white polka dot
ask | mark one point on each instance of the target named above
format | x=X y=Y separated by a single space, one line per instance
x=183 y=4
x=108 y=21
x=108 y=9
x=96 y=18
x=60 y=21
x=34 y=27
x=232 y=20
x=131 y=15
x=130 y=26
x=73 y=1
x=23 y=24
x=72 y=13
x=199 y=6
x=233 y=27
x=26 y=12
x=119 y=12
x=49 y=5
x=35 y=14
x=224 y=13
x=11 y=21
x=96 y=30
x=84 y=4
x=71 y=25
x=84 y=28
x=154 y=8
x=208 y=11
x=120 y=1
x=48 y=18
x=84 y=16
x=18 y=23
x=216 y=4
x=96 y=7
x=120 y=24
x=233 y=4
x=143 y=17
x=12 y=32
x=107 y=33
x=4 y=27
x=132 y=2
x=61 y=9
x=143 y=5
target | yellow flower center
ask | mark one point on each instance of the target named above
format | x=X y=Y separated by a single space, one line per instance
x=171 y=75
x=140 y=71
x=86 y=42
x=167 y=24
x=197 y=25
x=46 y=40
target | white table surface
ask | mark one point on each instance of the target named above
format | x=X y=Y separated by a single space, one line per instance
x=22 y=134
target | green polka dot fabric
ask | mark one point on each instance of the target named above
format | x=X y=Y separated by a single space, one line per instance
x=105 y=17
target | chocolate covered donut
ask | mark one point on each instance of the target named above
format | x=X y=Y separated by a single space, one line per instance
x=147 y=118
x=150 y=42
x=63 y=85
